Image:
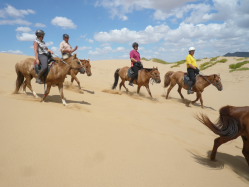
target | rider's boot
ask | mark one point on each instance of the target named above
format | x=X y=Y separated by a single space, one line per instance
x=38 y=80
x=190 y=90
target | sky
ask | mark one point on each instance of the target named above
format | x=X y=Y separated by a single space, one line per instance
x=106 y=29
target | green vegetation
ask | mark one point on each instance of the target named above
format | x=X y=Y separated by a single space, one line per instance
x=159 y=61
x=211 y=63
x=213 y=59
x=145 y=59
x=238 y=66
x=177 y=64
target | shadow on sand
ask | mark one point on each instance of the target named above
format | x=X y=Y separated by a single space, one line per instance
x=238 y=164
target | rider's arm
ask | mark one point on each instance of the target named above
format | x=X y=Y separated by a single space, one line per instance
x=36 y=52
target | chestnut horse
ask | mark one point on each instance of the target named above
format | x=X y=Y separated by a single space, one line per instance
x=144 y=77
x=74 y=72
x=202 y=81
x=56 y=76
x=232 y=123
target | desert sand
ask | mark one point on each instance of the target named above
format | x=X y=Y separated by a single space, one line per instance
x=107 y=137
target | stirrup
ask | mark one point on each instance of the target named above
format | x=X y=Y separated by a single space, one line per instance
x=39 y=81
x=130 y=83
x=190 y=92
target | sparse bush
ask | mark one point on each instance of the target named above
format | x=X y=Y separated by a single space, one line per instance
x=222 y=60
x=178 y=63
x=159 y=61
x=213 y=59
x=237 y=66
x=145 y=59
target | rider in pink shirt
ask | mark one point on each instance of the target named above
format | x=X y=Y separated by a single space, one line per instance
x=136 y=64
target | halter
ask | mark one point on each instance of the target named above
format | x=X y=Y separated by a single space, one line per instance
x=214 y=84
x=69 y=64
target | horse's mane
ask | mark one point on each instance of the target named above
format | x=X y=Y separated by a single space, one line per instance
x=149 y=69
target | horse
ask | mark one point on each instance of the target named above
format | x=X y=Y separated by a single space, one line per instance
x=144 y=77
x=74 y=72
x=56 y=76
x=232 y=123
x=202 y=81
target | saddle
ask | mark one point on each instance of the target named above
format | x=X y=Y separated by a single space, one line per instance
x=51 y=62
x=187 y=80
x=130 y=73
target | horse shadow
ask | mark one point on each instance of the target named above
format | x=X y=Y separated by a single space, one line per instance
x=57 y=99
x=236 y=163
x=88 y=91
x=187 y=102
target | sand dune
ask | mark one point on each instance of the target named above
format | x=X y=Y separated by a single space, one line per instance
x=109 y=137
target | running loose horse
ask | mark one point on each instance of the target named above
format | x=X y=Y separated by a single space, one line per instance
x=56 y=76
x=144 y=77
x=74 y=72
x=232 y=123
x=202 y=81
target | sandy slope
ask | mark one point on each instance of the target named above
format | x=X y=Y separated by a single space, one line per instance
x=109 y=138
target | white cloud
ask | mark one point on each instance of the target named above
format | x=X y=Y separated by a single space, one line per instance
x=26 y=37
x=149 y=35
x=63 y=22
x=49 y=43
x=40 y=25
x=23 y=29
x=14 y=22
x=13 y=52
x=84 y=48
x=101 y=51
x=11 y=11
x=119 y=8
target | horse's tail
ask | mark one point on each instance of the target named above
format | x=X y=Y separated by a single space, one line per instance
x=19 y=79
x=167 y=78
x=116 y=77
x=226 y=125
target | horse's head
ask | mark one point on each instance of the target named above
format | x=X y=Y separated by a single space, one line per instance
x=87 y=65
x=217 y=82
x=75 y=63
x=155 y=75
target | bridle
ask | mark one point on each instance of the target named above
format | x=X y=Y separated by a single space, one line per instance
x=69 y=64
x=213 y=83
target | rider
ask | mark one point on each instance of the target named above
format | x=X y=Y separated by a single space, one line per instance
x=66 y=48
x=42 y=54
x=192 y=68
x=136 y=64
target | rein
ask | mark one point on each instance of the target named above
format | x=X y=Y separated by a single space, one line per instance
x=203 y=76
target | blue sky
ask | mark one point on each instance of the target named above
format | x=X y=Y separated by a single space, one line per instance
x=105 y=29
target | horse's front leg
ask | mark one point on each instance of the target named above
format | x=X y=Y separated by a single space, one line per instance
x=47 y=90
x=27 y=83
x=148 y=89
x=60 y=86
x=198 y=94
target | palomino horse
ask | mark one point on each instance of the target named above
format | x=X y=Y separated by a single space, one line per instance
x=56 y=76
x=232 y=123
x=202 y=81
x=144 y=77
x=74 y=72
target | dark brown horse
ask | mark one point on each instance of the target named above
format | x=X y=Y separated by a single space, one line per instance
x=144 y=77
x=202 y=81
x=232 y=123
x=74 y=72
x=25 y=72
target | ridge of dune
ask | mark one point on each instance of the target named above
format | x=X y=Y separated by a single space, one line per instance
x=109 y=137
